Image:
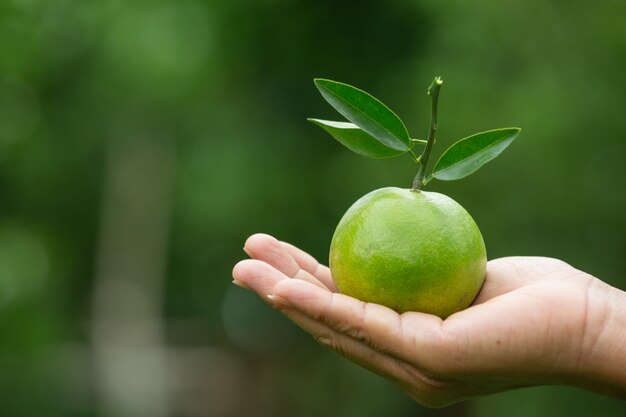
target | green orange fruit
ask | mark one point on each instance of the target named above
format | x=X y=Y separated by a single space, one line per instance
x=409 y=250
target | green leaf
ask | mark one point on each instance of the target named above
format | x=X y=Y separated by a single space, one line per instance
x=355 y=139
x=367 y=112
x=467 y=155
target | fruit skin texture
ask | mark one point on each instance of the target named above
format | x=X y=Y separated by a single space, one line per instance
x=410 y=251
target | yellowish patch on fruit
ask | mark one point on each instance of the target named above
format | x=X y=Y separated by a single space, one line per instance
x=409 y=250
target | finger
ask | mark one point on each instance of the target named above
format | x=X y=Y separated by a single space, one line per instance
x=312 y=266
x=346 y=346
x=257 y=276
x=411 y=335
x=266 y=248
x=418 y=384
x=262 y=278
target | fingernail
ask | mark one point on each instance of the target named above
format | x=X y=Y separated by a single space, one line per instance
x=277 y=300
x=241 y=284
x=249 y=253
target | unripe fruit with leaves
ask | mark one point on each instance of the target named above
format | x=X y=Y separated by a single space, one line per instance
x=407 y=249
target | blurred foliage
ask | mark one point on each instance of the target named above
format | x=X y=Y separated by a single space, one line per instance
x=226 y=86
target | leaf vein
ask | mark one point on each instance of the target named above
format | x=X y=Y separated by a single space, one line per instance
x=368 y=117
x=471 y=157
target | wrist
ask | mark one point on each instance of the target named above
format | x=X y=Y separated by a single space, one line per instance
x=602 y=366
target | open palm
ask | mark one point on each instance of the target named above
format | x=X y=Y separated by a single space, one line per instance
x=532 y=323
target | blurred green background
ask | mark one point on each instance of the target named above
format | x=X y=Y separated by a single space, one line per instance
x=141 y=142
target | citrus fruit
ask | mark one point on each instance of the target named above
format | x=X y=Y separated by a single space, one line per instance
x=409 y=250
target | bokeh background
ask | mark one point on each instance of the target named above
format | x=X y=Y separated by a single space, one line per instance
x=141 y=142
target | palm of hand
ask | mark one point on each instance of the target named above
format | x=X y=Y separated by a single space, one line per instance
x=528 y=325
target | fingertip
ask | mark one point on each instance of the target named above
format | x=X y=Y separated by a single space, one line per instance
x=257 y=275
x=242 y=269
x=259 y=236
x=259 y=242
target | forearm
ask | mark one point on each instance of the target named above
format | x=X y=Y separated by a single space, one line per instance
x=603 y=365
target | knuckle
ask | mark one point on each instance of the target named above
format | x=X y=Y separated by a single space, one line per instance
x=360 y=335
x=357 y=329
x=355 y=332
x=353 y=326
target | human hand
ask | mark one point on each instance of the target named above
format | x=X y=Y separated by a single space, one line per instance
x=535 y=321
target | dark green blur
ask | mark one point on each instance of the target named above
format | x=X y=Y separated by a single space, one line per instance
x=142 y=141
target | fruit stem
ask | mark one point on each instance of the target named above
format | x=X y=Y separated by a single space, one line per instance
x=433 y=92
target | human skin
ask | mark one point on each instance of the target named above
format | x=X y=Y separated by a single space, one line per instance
x=535 y=321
